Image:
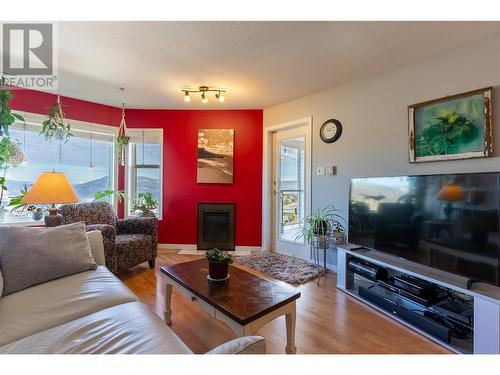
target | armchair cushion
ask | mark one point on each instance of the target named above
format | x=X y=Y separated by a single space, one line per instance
x=138 y=225
x=132 y=242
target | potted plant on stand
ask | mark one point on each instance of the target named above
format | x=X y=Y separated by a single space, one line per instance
x=318 y=230
x=218 y=264
x=145 y=204
x=321 y=225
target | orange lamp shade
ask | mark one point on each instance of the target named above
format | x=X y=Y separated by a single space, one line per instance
x=51 y=188
x=451 y=193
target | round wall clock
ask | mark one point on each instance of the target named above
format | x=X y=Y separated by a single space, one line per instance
x=330 y=131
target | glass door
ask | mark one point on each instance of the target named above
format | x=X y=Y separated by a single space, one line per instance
x=289 y=188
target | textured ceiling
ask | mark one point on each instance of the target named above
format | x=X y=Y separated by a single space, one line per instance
x=260 y=63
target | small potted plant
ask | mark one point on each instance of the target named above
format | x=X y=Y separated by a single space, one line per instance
x=36 y=212
x=218 y=263
x=145 y=204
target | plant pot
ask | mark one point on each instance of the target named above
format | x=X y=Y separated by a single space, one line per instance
x=217 y=270
x=339 y=237
x=146 y=214
x=320 y=228
x=37 y=215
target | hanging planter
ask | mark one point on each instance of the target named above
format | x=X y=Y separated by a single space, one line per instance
x=56 y=127
x=122 y=140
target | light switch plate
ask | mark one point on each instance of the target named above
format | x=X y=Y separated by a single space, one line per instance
x=320 y=171
x=331 y=170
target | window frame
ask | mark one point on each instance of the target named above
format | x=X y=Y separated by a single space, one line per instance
x=35 y=119
x=136 y=136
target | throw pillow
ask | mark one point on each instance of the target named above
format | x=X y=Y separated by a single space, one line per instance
x=96 y=246
x=30 y=256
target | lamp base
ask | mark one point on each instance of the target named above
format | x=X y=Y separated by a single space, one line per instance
x=53 y=219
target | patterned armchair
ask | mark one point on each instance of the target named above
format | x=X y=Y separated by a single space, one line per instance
x=127 y=242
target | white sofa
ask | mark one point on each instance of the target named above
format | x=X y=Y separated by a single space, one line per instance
x=92 y=312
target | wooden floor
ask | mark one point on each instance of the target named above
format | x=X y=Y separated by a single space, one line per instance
x=328 y=320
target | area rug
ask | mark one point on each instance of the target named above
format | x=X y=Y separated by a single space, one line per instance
x=282 y=267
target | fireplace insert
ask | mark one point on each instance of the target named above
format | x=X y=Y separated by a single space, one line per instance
x=216 y=226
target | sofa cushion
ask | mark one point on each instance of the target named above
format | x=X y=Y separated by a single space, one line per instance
x=129 y=328
x=30 y=256
x=59 y=301
x=126 y=243
x=96 y=246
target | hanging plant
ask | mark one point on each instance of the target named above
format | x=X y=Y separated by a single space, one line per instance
x=122 y=140
x=11 y=155
x=7 y=117
x=56 y=127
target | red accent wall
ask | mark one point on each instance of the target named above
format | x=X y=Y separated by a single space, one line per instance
x=181 y=193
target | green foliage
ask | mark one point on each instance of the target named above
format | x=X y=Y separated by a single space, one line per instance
x=121 y=143
x=215 y=255
x=446 y=135
x=118 y=194
x=5 y=152
x=7 y=117
x=2 y=189
x=321 y=223
x=145 y=203
x=55 y=127
x=17 y=202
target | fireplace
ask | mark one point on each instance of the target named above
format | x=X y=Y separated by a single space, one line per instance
x=215 y=226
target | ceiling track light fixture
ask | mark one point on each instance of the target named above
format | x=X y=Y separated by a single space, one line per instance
x=204 y=90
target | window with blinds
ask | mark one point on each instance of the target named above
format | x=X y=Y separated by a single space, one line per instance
x=87 y=159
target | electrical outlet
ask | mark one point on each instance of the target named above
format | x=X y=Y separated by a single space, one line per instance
x=331 y=170
x=320 y=171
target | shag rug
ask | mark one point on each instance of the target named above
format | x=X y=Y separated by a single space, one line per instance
x=282 y=267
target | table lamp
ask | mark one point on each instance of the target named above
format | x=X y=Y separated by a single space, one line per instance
x=450 y=193
x=51 y=188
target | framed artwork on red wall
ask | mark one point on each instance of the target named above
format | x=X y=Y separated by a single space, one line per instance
x=215 y=156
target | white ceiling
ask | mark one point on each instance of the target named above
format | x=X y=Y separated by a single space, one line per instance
x=260 y=63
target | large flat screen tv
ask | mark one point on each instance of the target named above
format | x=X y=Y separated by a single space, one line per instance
x=450 y=222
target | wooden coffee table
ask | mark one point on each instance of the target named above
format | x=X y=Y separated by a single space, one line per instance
x=245 y=302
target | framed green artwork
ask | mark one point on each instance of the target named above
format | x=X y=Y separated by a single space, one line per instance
x=453 y=127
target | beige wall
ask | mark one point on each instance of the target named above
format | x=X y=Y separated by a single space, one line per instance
x=373 y=112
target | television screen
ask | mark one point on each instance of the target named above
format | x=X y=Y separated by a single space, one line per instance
x=450 y=222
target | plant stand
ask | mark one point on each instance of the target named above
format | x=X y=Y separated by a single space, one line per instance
x=320 y=244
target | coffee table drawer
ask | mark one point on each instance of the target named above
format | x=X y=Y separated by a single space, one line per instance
x=193 y=298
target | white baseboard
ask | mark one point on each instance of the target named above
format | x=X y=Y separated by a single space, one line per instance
x=176 y=246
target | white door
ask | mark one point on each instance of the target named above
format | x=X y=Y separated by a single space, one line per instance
x=291 y=190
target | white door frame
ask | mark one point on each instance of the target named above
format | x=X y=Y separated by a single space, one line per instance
x=267 y=175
